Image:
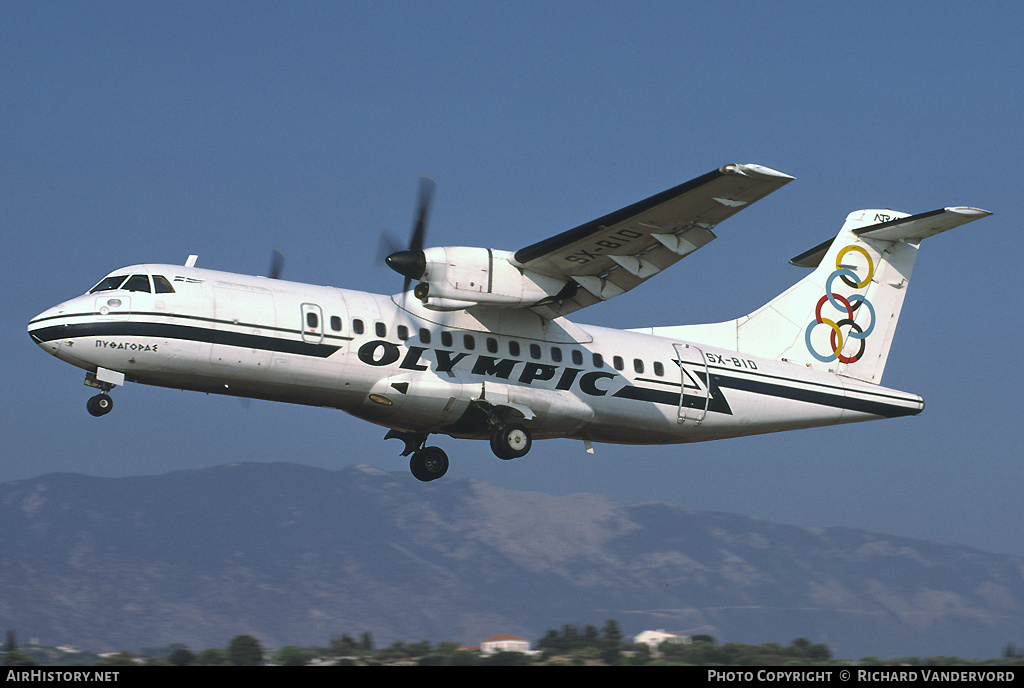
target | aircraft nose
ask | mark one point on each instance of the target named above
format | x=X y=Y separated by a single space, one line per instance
x=44 y=333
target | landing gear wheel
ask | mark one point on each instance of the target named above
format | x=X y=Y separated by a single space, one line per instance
x=100 y=405
x=511 y=441
x=429 y=463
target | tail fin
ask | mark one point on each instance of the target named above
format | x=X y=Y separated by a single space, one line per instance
x=843 y=315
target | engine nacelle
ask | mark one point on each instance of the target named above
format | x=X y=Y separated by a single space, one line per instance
x=458 y=277
x=416 y=401
x=426 y=402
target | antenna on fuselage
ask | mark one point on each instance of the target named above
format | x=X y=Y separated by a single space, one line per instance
x=191 y=262
x=276 y=264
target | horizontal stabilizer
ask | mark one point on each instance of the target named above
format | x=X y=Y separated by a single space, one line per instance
x=917 y=227
x=910 y=228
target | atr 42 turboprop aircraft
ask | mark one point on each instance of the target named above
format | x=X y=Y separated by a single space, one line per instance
x=481 y=348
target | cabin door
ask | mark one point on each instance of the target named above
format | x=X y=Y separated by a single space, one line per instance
x=693 y=384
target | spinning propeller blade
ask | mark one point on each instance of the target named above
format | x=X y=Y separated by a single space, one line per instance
x=411 y=263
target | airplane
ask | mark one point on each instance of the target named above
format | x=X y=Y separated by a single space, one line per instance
x=480 y=347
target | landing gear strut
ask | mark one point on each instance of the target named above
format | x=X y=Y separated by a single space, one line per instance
x=511 y=441
x=104 y=380
x=100 y=405
x=427 y=463
x=508 y=441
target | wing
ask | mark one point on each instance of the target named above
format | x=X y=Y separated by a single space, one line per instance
x=612 y=254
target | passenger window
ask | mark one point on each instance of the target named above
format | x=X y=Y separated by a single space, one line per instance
x=513 y=348
x=312 y=322
x=577 y=357
x=424 y=335
x=659 y=369
x=357 y=326
x=638 y=365
x=556 y=354
x=617 y=363
x=598 y=361
x=403 y=332
x=137 y=283
x=381 y=329
x=468 y=341
x=492 y=345
x=336 y=323
x=161 y=285
x=535 y=351
x=446 y=338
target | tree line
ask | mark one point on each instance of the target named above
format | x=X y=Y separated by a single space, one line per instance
x=569 y=645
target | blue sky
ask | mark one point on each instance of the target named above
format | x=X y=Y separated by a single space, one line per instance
x=143 y=132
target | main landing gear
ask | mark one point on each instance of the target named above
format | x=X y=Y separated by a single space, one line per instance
x=508 y=441
x=511 y=441
x=428 y=463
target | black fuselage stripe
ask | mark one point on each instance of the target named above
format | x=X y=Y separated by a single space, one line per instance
x=830 y=388
x=837 y=399
x=841 y=401
x=719 y=404
x=183 y=332
x=181 y=316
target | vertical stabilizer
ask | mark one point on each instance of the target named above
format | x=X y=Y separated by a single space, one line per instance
x=843 y=315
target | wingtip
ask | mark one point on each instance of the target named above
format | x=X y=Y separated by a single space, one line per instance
x=758 y=171
x=977 y=213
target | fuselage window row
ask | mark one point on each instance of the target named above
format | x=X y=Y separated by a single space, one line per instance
x=514 y=348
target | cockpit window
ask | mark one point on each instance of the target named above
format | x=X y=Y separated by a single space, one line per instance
x=112 y=282
x=134 y=283
x=162 y=286
x=137 y=283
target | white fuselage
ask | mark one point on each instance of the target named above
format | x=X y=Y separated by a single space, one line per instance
x=388 y=360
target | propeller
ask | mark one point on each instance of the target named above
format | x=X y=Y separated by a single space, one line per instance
x=411 y=263
x=387 y=244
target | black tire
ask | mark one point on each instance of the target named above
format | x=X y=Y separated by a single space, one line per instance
x=511 y=441
x=100 y=405
x=429 y=463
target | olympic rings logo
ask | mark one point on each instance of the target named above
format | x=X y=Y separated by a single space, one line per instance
x=847 y=306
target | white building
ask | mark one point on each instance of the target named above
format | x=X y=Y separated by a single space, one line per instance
x=505 y=643
x=653 y=639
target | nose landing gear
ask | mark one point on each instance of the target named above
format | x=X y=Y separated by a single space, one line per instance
x=103 y=380
x=100 y=405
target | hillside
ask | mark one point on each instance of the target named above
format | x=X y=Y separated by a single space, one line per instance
x=295 y=555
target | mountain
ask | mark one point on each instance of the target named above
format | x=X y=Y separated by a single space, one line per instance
x=295 y=555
